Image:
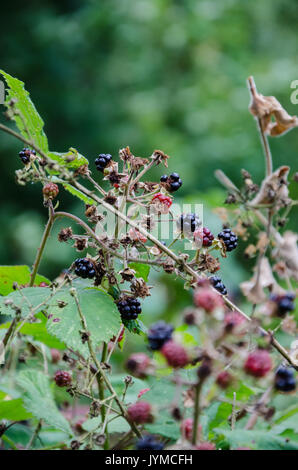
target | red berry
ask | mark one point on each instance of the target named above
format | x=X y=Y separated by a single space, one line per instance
x=55 y=355
x=62 y=378
x=136 y=235
x=140 y=412
x=187 y=429
x=224 y=379
x=207 y=298
x=50 y=190
x=208 y=237
x=162 y=203
x=234 y=322
x=137 y=364
x=258 y=363
x=175 y=354
x=206 y=446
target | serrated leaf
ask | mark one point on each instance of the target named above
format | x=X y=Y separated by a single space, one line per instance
x=29 y=122
x=26 y=299
x=38 y=399
x=118 y=425
x=78 y=194
x=262 y=440
x=71 y=159
x=164 y=426
x=13 y=410
x=142 y=270
x=101 y=314
x=18 y=274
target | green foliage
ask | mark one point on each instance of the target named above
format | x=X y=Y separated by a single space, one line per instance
x=256 y=440
x=26 y=300
x=13 y=410
x=39 y=401
x=101 y=314
x=16 y=274
x=142 y=270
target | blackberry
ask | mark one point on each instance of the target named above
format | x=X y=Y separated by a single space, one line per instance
x=84 y=268
x=149 y=443
x=175 y=354
x=229 y=238
x=208 y=237
x=172 y=182
x=258 y=363
x=62 y=378
x=218 y=285
x=188 y=223
x=25 y=155
x=129 y=308
x=159 y=334
x=140 y=412
x=284 y=303
x=284 y=380
x=102 y=161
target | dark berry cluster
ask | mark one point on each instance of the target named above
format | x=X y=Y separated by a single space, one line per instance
x=149 y=443
x=25 y=155
x=129 y=308
x=173 y=182
x=84 y=268
x=159 y=334
x=188 y=223
x=208 y=237
x=62 y=378
x=229 y=238
x=285 y=303
x=285 y=380
x=218 y=285
x=102 y=161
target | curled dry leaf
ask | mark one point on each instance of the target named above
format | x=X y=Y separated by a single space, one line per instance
x=274 y=189
x=287 y=251
x=274 y=119
x=254 y=288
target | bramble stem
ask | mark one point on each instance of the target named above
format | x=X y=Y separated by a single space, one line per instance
x=198 y=389
x=41 y=248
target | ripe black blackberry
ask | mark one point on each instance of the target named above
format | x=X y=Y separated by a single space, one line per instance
x=102 y=161
x=218 y=285
x=285 y=303
x=188 y=223
x=172 y=182
x=229 y=238
x=149 y=443
x=284 y=379
x=25 y=155
x=159 y=334
x=129 y=308
x=84 y=268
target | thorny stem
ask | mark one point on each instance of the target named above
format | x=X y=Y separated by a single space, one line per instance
x=198 y=389
x=41 y=248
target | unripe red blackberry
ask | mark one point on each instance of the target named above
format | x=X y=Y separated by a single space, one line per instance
x=175 y=354
x=62 y=378
x=207 y=298
x=234 y=323
x=208 y=237
x=224 y=379
x=140 y=412
x=161 y=203
x=55 y=355
x=136 y=235
x=50 y=190
x=206 y=446
x=258 y=363
x=137 y=364
x=186 y=429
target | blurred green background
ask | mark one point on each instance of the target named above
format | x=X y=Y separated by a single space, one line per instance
x=150 y=74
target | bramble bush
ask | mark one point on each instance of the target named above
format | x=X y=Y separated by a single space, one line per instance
x=223 y=379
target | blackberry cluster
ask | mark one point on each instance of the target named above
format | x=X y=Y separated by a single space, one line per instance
x=173 y=182
x=129 y=308
x=285 y=380
x=218 y=285
x=159 y=334
x=208 y=237
x=25 y=155
x=229 y=238
x=102 y=161
x=188 y=223
x=149 y=443
x=84 y=268
x=285 y=303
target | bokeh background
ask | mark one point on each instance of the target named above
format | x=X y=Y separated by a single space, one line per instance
x=150 y=74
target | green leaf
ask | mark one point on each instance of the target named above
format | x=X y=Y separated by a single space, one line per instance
x=38 y=399
x=135 y=326
x=218 y=414
x=38 y=332
x=99 y=310
x=29 y=122
x=13 y=410
x=118 y=425
x=142 y=270
x=25 y=299
x=18 y=274
x=71 y=159
x=78 y=194
x=165 y=426
x=262 y=440
x=92 y=424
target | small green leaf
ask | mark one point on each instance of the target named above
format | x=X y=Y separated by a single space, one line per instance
x=29 y=122
x=38 y=399
x=92 y=424
x=118 y=425
x=78 y=194
x=142 y=270
x=99 y=310
x=18 y=274
x=13 y=410
x=25 y=299
x=71 y=159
